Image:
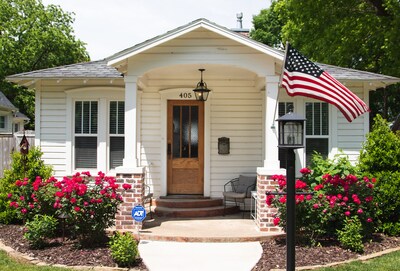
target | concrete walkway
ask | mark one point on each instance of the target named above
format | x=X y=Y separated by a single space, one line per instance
x=164 y=256
x=216 y=243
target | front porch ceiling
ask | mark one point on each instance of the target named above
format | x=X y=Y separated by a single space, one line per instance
x=189 y=75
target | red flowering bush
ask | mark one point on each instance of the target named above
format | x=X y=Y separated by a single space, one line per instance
x=87 y=203
x=325 y=205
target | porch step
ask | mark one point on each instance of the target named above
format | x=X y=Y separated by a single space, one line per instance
x=195 y=212
x=189 y=207
x=187 y=203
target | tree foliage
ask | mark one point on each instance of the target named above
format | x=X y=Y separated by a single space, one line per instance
x=32 y=37
x=358 y=34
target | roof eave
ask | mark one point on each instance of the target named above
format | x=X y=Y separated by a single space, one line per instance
x=115 y=60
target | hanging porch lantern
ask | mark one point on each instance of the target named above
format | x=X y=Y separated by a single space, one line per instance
x=201 y=91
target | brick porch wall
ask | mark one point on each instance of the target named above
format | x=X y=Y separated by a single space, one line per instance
x=132 y=197
x=265 y=214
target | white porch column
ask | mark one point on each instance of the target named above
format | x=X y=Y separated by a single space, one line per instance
x=130 y=161
x=271 y=130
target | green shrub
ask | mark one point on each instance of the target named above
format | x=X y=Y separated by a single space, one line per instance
x=381 y=150
x=25 y=169
x=39 y=229
x=350 y=237
x=339 y=165
x=124 y=250
x=380 y=157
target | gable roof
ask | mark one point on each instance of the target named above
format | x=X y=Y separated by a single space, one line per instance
x=105 y=68
x=179 y=31
x=5 y=103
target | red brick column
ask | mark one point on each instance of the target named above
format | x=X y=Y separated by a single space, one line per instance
x=265 y=214
x=132 y=197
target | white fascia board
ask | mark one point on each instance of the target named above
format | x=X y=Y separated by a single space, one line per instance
x=223 y=32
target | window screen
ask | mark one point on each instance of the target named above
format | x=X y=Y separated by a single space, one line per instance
x=317 y=129
x=117 y=130
x=86 y=116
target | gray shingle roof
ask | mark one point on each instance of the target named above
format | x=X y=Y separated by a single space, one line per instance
x=100 y=69
x=5 y=103
x=92 y=69
x=341 y=73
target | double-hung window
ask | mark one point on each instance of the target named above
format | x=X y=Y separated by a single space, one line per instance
x=116 y=133
x=2 y=122
x=317 y=129
x=86 y=118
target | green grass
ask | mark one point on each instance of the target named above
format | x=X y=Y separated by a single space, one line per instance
x=8 y=264
x=387 y=262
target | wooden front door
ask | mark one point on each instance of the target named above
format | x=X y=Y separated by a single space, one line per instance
x=185 y=147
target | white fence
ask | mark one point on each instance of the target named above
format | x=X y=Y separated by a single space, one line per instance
x=9 y=144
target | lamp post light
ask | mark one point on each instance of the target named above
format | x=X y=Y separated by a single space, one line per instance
x=290 y=137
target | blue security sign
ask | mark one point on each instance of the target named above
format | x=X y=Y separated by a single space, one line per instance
x=139 y=213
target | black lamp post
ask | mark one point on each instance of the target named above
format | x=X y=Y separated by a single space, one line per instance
x=290 y=137
x=201 y=91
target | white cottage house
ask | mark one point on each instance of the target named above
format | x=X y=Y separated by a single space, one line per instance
x=134 y=114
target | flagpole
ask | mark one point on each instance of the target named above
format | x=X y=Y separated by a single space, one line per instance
x=280 y=84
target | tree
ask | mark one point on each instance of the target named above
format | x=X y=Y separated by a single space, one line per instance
x=32 y=37
x=358 y=34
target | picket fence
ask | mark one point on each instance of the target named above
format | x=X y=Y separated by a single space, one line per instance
x=9 y=144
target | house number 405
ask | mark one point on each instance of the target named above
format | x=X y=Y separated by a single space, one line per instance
x=185 y=95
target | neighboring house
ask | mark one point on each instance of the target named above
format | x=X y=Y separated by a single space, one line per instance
x=134 y=114
x=11 y=120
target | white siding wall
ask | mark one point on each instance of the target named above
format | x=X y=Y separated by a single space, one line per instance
x=349 y=136
x=53 y=128
x=236 y=113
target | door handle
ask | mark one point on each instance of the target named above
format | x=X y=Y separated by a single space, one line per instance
x=169 y=150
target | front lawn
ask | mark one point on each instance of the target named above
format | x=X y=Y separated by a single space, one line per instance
x=8 y=264
x=387 y=262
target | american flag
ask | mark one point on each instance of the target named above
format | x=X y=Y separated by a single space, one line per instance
x=301 y=77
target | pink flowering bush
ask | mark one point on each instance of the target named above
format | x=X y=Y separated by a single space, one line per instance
x=87 y=203
x=324 y=210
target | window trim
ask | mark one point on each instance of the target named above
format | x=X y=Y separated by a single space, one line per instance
x=102 y=94
x=328 y=136
x=109 y=135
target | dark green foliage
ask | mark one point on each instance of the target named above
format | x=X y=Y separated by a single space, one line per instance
x=268 y=27
x=124 y=250
x=380 y=157
x=360 y=34
x=350 y=237
x=339 y=165
x=22 y=167
x=39 y=229
x=381 y=150
x=33 y=37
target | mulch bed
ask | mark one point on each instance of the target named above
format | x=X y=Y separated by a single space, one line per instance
x=274 y=255
x=64 y=252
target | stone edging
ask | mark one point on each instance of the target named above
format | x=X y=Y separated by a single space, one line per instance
x=23 y=258
x=361 y=258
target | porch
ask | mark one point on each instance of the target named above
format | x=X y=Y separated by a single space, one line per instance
x=229 y=228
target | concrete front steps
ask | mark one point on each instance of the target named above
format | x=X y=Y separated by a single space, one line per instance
x=191 y=207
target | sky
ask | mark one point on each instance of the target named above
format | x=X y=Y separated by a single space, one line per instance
x=109 y=26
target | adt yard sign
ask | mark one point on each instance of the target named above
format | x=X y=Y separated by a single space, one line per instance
x=139 y=213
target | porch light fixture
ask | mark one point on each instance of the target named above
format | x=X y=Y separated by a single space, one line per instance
x=291 y=131
x=290 y=137
x=201 y=91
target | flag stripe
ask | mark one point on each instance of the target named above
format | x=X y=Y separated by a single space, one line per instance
x=313 y=90
x=301 y=77
x=308 y=84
